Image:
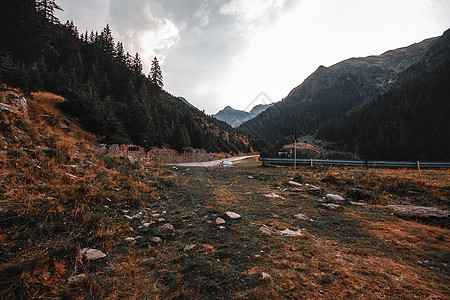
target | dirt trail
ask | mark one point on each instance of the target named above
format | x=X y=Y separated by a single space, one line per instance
x=214 y=162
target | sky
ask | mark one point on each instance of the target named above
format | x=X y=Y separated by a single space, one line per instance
x=240 y=53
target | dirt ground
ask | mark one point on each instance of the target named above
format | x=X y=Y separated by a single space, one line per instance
x=353 y=252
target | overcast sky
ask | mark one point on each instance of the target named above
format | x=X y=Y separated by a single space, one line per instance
x=226 y=52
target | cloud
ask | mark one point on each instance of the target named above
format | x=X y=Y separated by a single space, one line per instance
x=143 y=26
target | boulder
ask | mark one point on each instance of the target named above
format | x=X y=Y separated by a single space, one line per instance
x=420 y=212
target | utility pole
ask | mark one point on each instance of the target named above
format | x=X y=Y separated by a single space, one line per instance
x=295 y=150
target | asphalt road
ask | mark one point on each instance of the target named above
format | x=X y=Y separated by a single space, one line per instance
x=213 y=163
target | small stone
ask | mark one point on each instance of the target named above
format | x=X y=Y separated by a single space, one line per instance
x=233 y=215
x=336 y=199
x=314 y=190
x=331 y=206
x=295 y=183
x=94 y=254
x=273 y=195
x=303 y=217
x=190 y=247
x=220 y=221
x=167 y=226
x=222 y=227
x=288 y=232
x=156 y=239
x=147 y=225
x=265 y=230
x=129 y=239
x=76 y=278
x=265 y=275
x=63 y=126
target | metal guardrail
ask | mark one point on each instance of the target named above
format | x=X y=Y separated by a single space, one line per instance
x=367 y=164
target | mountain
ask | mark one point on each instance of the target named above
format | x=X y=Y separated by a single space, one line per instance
x=104 y=87
x=410 y=120
x=331 y=92
x=236 y=117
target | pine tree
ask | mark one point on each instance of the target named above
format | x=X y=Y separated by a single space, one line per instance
x=156 y=74
x=47 y=9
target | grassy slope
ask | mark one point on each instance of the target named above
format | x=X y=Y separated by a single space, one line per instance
x=48 y=216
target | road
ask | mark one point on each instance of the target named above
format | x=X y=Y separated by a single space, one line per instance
x=213 y=163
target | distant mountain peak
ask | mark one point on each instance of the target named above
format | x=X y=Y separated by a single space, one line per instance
x=235 y=117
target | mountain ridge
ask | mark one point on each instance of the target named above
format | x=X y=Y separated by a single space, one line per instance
x=332 y=91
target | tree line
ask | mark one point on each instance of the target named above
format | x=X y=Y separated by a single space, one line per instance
x=104 y=86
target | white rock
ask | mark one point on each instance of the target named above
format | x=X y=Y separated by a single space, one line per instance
x=303 y=217
x=265 y=275
x=331 y=206
x=167 y=226
x=295 y=183
x=265 y=230
x=273 y=195
x=220 y=221
x=190 y=247
x=76 y=278
x=289 y=232
x=129 y=239
x=156 y=239
x=233 y=215
x=336 y=199
x=93 y=254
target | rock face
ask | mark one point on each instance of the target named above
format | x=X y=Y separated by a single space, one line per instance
x=420 y=212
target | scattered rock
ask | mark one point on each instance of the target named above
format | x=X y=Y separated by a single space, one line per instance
x=190 y=247
x=265 y=276
x=273 y=195
x=420 y=212
x=94 y=254
x=156 y=239
x=303 y=217
x=220 y=221
x=63 y=126
x=167 y=226
x=331 y=206
x=295 y=183
x=288 y=232
x=265 y=230
x=76 y=278
x=315 y=190
x=233 y=215
x=336 y=199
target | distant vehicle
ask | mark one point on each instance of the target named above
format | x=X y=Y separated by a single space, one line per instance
x=226 y=164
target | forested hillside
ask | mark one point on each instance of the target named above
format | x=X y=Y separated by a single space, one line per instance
x=103 y=85
x=332 y=91
x=408 y=122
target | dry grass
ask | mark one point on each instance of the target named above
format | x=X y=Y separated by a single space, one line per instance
x=58 y=196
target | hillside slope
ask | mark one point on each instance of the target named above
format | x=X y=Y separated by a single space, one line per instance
x=331 y=92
